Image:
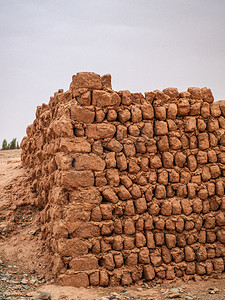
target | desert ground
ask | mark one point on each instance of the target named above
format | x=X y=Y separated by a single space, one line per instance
x=25 y=261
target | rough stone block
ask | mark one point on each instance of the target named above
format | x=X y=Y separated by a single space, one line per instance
x=89 y=162
x=105 y=99
x=100 y=131
x=161 y=128
x=76 y=280
x=75 y=179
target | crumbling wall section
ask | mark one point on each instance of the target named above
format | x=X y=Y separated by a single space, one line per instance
x=131 y=187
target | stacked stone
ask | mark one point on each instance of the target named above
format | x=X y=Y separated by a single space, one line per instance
x=131 y=187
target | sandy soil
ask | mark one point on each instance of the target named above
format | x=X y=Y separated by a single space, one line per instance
x=24 y=260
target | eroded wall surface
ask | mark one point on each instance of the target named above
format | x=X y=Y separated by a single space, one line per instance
x=131 y=187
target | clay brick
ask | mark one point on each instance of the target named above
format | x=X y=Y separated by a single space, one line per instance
x=160 y=113
x=87 y=230
x=103 y=98
x=112 y=176
x=166 y=256
x=114 y=145
x=154 y=209
x=87 y=80
x=156 y=258
x=220 y=219
x=212 y=156
x=203 y=141
x=94 y=278
x=201 y=253
x=134 y=130
x=110 y=160
x=149 y=272
x=140 y=240
x=215 y=171
x=159 y=238
x=124 y=115
x=75 y=179
x=160 y=192
x=76 y=280
x=100 y=131
x=128 y=243
x=104 y=278
x=147 y=130
x=147 y=111
x=174 y=176
x=89 y=162
x=207 y=95
x=129 y=208
x=106 y=210
x=111 y=115
x=72 y=247
x=189 y=253
x=193 y=142
x=106 y=81
x=167 y=159
x=186 y=206
x=170 y=240
x=218 y=265
x=206 y=175
x=200 y=269
x=121 y=132
x=97 y=148
x=155 y=162
x=163 y=177
x=126 y=279
x=163 y=144
x=123 y=193
x=140 y=205
x=205 y=110
x=82 y=114
x=96 y=214
x=166 y=208
x=174 y=143
x=135 y=191
x=84 y=263
x=183 y=107
x=202 y=157
x=109 y=195
x=190 y=124
x=129 y=227
x=140 y=146
x=161 y=128
x=143 y=256
x=118 y=259
x=201 y=125
x=117 y=243
x=213 y=140
x=129 y=149
x=192 y=163
x=136 y=114
x=219 y=187
x=172 y=111
x=212 y=125
x=131 y=260
x=118 y=228
x=197 y=206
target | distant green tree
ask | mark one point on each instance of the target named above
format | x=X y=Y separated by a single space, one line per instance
x=17 y=145
x=4 y=144
x=12 y=144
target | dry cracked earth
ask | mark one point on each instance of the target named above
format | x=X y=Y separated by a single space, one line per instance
x=24 y=259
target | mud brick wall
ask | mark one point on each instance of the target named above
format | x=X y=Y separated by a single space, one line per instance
x=131 y=187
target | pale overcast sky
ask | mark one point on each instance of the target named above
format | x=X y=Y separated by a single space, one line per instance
x=144 y=44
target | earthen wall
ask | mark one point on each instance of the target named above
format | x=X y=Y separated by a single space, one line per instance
x=131 y=187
